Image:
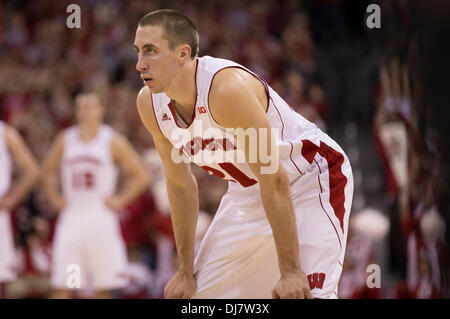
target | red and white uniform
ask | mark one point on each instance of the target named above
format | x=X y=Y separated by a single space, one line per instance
x=7 y=252
x=88 y=232
x=237 y=258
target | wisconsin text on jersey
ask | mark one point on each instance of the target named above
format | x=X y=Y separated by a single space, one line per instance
x=220 y=150
x=215 y=145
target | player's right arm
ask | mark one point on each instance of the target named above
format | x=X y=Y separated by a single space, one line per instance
x=49 y=176
x=28 y=167
x=183 y=198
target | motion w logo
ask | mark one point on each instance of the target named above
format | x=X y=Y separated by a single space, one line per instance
x=316 y=280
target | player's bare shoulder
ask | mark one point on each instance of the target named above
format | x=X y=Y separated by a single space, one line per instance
x=231 y=88
x=229 y=80
x=144 y=105
x=227 y=85
x=238 y=79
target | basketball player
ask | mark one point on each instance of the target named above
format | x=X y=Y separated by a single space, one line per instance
x=280 y=234
x=88 y=232
x=12 y=150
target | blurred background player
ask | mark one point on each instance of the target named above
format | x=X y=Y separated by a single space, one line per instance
x=88 y=232
x=12 y=151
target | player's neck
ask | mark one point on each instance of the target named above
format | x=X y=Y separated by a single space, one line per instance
x=183 y=89
x=88 y=131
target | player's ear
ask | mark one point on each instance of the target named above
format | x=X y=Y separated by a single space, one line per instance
x=184 y=53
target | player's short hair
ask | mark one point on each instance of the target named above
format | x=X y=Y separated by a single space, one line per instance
x=178 y=29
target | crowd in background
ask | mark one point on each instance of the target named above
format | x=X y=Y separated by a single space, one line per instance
x=44 y=65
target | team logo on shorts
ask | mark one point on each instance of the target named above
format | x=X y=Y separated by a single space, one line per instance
x=316 y=280
x=165 y=117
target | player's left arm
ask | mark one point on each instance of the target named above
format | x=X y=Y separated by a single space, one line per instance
x=234 y=104
x=137 y=175
x=27 y=164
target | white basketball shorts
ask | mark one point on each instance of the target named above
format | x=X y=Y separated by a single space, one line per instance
x=89 y=242
x=238 y=258
x=7 y=251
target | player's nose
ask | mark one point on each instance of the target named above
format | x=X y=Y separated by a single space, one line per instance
x=141 y=65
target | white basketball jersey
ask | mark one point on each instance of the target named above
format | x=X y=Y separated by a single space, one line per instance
x=5 y=162
x=88 y=171
x=203 y=143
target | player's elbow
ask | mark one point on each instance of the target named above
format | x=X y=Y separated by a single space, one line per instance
x=182 y=185
x=281 y=181
x=275 y=182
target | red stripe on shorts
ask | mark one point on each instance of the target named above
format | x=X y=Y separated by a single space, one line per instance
x=323 y=208
x=337 y=180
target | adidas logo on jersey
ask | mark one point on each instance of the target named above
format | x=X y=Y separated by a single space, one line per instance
x=165 y=117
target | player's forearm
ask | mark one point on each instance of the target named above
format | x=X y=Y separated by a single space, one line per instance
x=23 y=186
x=50 y=183
x=278 y=205
x=184 y=206
x=133 y=188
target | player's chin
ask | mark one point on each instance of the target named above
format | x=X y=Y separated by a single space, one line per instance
x=154 y=89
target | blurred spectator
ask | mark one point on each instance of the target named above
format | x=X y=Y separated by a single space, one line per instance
x=366 y=227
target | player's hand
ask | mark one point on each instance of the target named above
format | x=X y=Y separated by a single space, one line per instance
x=293 y=285
x=181 y=286
x=7 y=203
x=114 y=203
